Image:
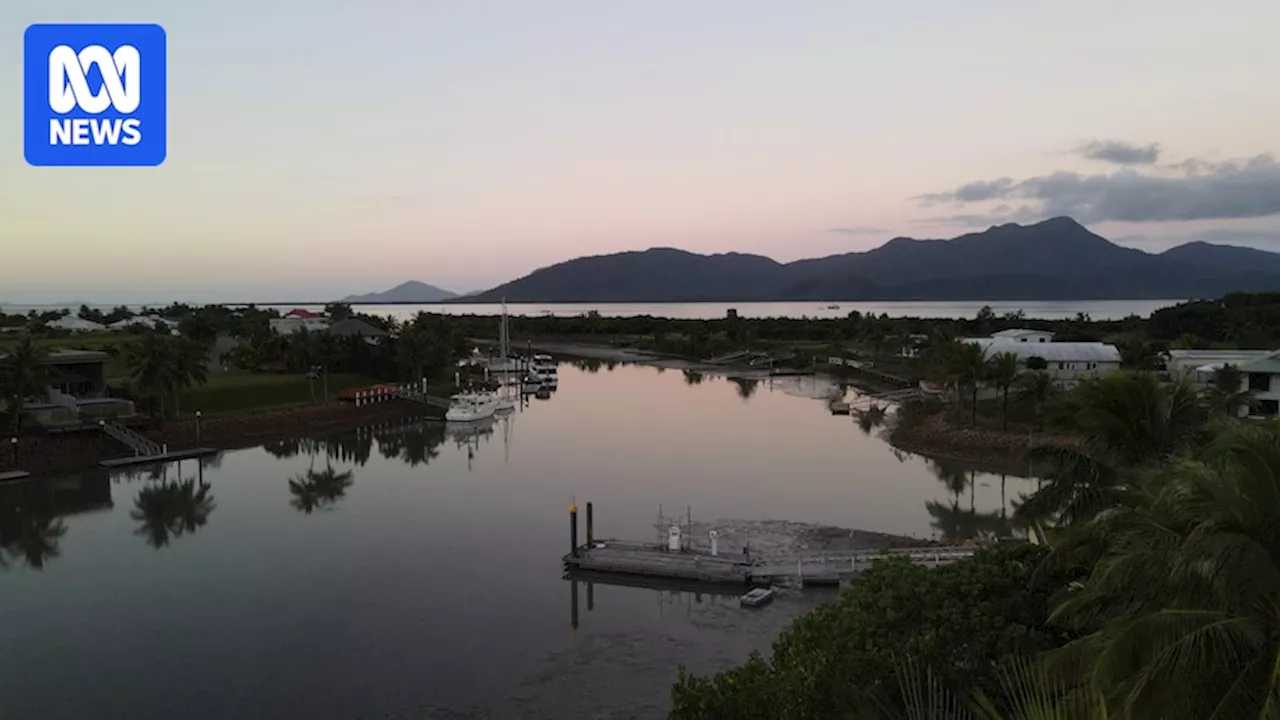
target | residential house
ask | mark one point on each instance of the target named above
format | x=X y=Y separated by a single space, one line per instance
x=1024 y=335
x=77 y=392
x=299 y=319
x=1066 y=361
x=355 y=327
x=1198 y=366
x=1262 y=381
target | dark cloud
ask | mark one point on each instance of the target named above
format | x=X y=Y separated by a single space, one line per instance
x=1120 y=152
x=858 y=230
x=1197 y=190
x=972 y=192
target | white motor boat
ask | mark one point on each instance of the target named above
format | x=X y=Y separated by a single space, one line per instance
x=544 y=368
x=469 y=407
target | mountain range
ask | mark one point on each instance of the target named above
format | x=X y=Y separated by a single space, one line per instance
x=1057 y=259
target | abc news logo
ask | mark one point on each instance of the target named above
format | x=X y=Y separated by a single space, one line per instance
x=69 y=89
x=94 y=95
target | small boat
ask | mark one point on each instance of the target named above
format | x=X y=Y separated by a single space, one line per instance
x=833 y=307
x=757 y=597
x=839 y=407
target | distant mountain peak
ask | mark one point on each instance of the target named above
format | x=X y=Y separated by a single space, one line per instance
x=412 y=291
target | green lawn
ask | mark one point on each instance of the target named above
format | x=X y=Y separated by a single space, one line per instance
x=239 y=392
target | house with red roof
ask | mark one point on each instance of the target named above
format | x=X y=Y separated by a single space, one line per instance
x=299 y=319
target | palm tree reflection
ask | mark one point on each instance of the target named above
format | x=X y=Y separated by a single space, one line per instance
x=954 y=523
x=746 y=387
x=170 y=509
x=869 y=419
x=693 y=377
x=32 y=537
x=319 y=489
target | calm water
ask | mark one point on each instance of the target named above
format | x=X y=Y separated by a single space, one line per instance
x=425 y=579
x=1097 y=309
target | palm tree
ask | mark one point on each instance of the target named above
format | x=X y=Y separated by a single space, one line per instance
x=162 y=366
x=1027 y=690
x=24 y=374
x=970 y=367
x=1002 y=370
x=1228 y=391
x=1126 y=421
x=1184 y=604
x=1039 y=388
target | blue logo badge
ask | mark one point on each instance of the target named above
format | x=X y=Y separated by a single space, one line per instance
x=94 y=95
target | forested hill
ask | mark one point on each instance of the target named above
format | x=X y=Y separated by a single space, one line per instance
x=1057 y=259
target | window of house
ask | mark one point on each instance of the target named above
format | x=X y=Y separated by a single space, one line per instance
x=1260 y=382
x=1062 y=366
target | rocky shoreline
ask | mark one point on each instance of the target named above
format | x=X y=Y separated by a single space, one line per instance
x=986 y=449
x=68 y=452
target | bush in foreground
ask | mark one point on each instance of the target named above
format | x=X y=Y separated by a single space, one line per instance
x=962 y=621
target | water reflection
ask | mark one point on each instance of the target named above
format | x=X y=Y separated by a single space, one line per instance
x=319 y=489
x=32 y=514
x=170 y=509
x=746 y=386
x=693 y=377
x=954 y=523
x=870 y=418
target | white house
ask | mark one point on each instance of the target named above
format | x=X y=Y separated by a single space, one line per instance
x=1024 y=335
x=1066 y=361
x=1262 y=380
x=1197 y=366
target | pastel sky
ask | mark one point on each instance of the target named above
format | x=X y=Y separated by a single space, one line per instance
x=326 y=147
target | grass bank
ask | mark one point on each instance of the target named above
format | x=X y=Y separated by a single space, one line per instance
x=235 y=392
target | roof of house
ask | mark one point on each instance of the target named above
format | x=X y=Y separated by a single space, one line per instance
x=300 y=313
x=71 y=322
x=355 y=326
x=1268 y=364
x=1213 y=356
x=1051 y=351
x=1019 y=332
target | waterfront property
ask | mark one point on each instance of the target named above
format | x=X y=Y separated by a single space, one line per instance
x=1066 y=362
x=77 y=392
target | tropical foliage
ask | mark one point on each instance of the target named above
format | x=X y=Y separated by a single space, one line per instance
x=1156 y=596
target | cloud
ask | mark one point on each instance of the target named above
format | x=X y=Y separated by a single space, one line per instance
x=858 y=230
x=1198 y=190
x=972 y=192
x=1120 y=152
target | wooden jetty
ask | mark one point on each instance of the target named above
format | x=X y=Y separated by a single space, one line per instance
x=168 y=456
x=10 y=475
x=677 y=561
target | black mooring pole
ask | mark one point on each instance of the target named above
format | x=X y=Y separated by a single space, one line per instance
x=591 y=535
x=573 y=530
